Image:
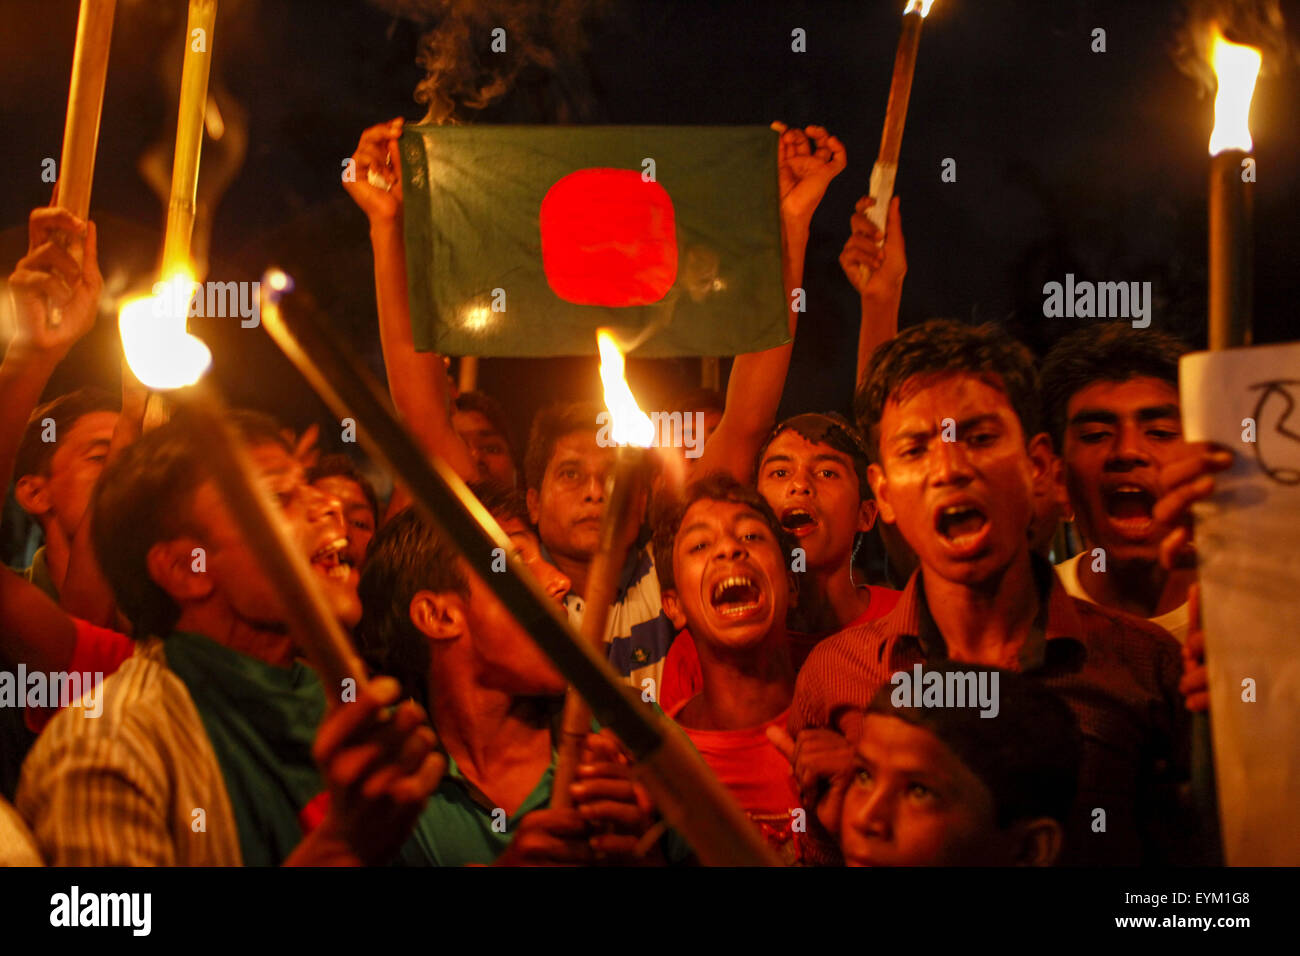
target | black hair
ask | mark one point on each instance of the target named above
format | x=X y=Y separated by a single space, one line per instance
x=1112 y=353
x=341 y=466
x=830 y=429
x=146 y=496
x=1028 y=755
x=34 y=453
x=718 y=486
x=550 y=425
x=491 y=409
x=936 y=349
x=406 y=556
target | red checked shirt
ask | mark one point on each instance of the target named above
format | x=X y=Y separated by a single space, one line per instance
x=1118 y=673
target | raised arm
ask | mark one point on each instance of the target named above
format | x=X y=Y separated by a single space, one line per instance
x=33 y=629
x=417 y=380
x=881 y=289
x=808 y=160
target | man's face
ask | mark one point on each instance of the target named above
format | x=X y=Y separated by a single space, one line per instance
x=528 y=549
x=489 y=447
x=315 y=520
x=732 y=587
x=1117 y=437
x=912 y=802
x=506 y=658
x=357 y=514
x=963 y=506
x=568 y=507
x=814 y=491
x=75 y=466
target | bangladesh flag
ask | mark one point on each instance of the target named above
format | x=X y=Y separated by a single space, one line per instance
x=523 y=240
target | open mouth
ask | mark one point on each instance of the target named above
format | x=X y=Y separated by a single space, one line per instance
x=798 y=521
x=961 y=524
x=736 y=596
x=1129 y=507
x=332 y=560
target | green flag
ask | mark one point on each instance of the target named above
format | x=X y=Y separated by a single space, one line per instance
x=523 y=240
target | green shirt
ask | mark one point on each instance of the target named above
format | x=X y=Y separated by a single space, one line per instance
x=459 y=826
x=262 y=721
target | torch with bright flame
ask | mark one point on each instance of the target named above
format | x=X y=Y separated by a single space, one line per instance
x=164 y=355
x=1236 y=68
x=885 y=171
x=633 y=432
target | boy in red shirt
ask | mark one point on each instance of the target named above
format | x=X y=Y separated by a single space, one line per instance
x=722 y=559
x=812 y=471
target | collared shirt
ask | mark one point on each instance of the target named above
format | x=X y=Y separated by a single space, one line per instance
x=637 y=632
x=459 y=825
x=137 y=786
x=1118 y=673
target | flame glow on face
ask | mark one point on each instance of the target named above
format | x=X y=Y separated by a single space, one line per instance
x=918 y=6
x=160 y=351
x=1236 y=67
x=628 y=424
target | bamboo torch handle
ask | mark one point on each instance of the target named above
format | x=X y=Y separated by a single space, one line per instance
x=314 y=626
x=621 y=490
x=891 y=136
x=576 y=722
x=85 y=107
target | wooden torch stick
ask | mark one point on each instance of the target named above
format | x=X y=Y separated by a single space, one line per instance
x=85 y=107
x=621 y=491
x=688 y=795
x=315 y=628
x=884 y=172
x=189 y=136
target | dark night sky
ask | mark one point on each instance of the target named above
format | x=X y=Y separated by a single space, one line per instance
x=1067 y=160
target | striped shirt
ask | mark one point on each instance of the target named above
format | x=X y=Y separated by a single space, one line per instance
x=1118 y=673
x=637 y=632
x=127 y=788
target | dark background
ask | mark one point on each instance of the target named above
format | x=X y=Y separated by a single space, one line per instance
x=1067 y=161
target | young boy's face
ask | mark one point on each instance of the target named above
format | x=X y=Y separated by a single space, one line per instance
x=814 y=491
x=528 y=549
x=315 y=520
x=489 y=447
x=357 y=514
x=74 y=468
x=912 y=802
x=731 y=584
x=568 y=506
x=1117 y=437
x=964 y=506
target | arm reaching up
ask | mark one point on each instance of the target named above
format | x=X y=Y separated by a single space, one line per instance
x=417 y=380
x=808 y=160
x=877 y=272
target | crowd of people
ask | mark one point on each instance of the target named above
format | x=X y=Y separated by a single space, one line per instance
x=969 y=704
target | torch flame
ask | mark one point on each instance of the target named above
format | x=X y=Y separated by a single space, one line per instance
x=628 y=424
x=918 y=6
x=161 y=353
x=1236 y=67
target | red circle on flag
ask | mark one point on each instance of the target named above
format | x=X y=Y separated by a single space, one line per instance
x=608 y=238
